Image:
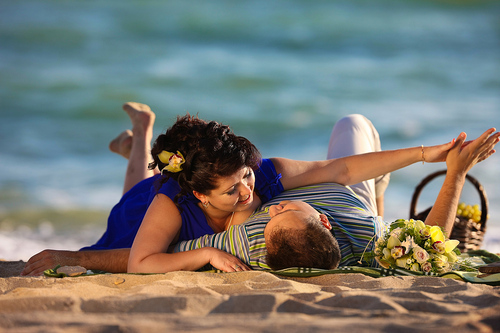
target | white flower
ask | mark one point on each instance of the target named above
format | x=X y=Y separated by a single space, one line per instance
x=439 y=247
x=397 y=252
x=415 y=246
x=420 y=254
x=408 y=244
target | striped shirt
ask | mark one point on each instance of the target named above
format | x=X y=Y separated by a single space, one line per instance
x=353 y=225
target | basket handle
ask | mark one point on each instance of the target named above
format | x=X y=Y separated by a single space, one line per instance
x=474 y=181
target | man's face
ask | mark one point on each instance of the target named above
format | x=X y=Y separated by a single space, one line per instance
x=293 y=215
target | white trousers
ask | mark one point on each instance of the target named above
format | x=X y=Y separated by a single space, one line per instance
x=355 y=134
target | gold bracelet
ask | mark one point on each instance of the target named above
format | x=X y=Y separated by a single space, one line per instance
x=423 y=157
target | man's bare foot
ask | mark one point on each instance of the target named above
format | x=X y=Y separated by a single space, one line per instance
x=141 y=116
x=122 y=144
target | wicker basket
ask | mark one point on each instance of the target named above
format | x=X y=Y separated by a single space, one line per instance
x=467 y=231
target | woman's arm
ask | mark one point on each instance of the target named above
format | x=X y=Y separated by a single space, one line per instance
x=159 y=229
x=356 y=168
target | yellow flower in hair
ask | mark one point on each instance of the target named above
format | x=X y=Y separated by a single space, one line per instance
x=173 y=161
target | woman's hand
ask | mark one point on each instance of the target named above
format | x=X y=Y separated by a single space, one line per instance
x=437 y=153
x=226 y=262
x=464 y=155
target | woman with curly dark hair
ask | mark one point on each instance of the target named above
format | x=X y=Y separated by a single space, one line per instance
x=201 y=180
x=207 y=182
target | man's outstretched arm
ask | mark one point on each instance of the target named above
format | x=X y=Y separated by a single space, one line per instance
x=113 y=261
x=461 y=158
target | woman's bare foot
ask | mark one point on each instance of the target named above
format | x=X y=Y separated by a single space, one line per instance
x=142 y=119
x=122 y=144
x=141 y=116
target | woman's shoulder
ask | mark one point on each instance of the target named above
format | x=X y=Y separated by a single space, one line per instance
x=169 y=187
x=267 y=181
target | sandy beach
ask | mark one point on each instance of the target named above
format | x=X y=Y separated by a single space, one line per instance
x=243 y=302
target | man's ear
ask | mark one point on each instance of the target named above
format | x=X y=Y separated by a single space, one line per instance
x=325 y=222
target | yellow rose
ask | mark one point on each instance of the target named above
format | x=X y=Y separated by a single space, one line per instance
x=437 y=234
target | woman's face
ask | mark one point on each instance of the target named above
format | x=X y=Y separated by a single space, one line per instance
x=234 y=193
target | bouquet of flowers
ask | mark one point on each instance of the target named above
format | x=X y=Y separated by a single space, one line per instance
x=412 y=245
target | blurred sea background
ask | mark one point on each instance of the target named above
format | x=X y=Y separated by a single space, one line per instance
x=278 y=72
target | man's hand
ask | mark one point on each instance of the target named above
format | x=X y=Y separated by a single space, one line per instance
x=112 y=261
x=460 y=159
x=464 y=155
x=48 y=259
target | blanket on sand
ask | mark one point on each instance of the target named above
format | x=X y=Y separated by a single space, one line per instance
x=482 y=258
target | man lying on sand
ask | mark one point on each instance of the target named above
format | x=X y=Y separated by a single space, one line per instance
x=320 y=226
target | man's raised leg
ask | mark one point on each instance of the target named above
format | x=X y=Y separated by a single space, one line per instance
x=355 y=134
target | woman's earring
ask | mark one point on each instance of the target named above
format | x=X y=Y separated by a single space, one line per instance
x=205 y=204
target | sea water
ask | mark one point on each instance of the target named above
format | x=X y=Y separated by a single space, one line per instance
x=278 y=72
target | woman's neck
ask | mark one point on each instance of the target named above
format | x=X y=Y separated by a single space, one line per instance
x=216 y=219
x=220 y=220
